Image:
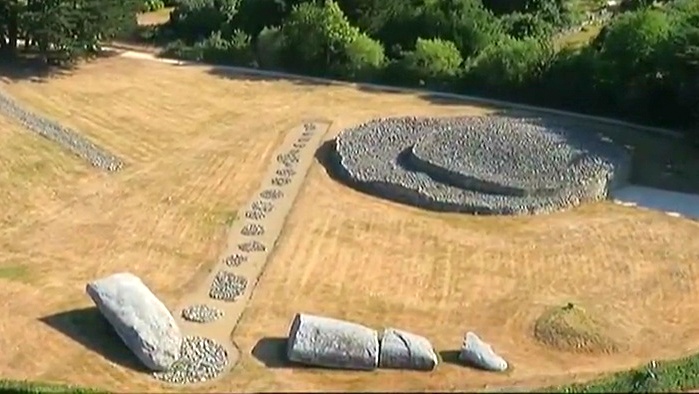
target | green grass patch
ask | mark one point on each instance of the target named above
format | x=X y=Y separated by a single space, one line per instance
x=665 y=376
x=21 y=386
x=15 y=272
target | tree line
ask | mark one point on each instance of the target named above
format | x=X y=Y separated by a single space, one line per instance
x=61 y=30
x=643 y=65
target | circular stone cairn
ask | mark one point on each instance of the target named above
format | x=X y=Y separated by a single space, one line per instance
x=235 y=260
x=252 y=229
x=201 y=313
x=264 y=206
x=482 y=165
x=281 y=181
x=227 y=286
x=255 y=214
x=289 y=159
x=272 y=194
x=252 y=246
x=201 y=359
x=286 y=172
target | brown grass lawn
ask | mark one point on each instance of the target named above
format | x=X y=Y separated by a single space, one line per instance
x=196 y=145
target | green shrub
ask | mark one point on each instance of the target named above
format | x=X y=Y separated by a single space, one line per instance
x=235 y=51
x=315 y=38
x=195 y=20
x=179 y=49
x=518 y=25
x=365 y=59
x=255 y=15
x=152 y=5
x=434 y=61
x=509 y=65
x=269 y=47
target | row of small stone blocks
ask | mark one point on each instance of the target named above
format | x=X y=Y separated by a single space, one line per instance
x=332 y=343
x=228 y=286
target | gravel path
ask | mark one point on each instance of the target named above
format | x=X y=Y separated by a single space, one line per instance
x=484 y=165
x=210 y=313
x=53 y=131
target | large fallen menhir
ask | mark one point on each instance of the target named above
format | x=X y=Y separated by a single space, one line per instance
x=332 y=343
x=142 y=321
x=482 y=165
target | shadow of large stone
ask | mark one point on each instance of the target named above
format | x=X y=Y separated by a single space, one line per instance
x=89 y=328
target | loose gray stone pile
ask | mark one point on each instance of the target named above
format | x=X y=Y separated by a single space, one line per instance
x=252 y=229
x=272 y=194
x=252 y=246
x=69 y=139
x=403 y=350
x=202 y=359
x=227 y=286
x=480 y=354
x=264 y=206
x=331 y=343
x=142 y=322
x=201 y=313
x=286 y=172
x=281 y=181
x=235 y=260
x=484 y=165
x=255 y=214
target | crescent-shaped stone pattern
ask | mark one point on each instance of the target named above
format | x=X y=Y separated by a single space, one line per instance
x=481 y=164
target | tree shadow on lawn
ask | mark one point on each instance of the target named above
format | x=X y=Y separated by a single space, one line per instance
x=29 y=67
x=87 y=327
x=246 y=74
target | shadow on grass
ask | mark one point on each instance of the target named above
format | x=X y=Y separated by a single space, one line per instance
x=450 y=357
x=29 y=67
x=271 y=351
x=244 y=75
x=87 y=327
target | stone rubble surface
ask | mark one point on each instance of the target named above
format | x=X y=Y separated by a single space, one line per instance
x=201 y=313
x=202 y=359
x=227 y=286
x=53 y=131
x=482 y=165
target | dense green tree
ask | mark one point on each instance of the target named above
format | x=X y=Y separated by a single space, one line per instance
x=63 y=29
x=433 y=62
x=194 y=20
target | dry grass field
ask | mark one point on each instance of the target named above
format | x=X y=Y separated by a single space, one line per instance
x=196 y=143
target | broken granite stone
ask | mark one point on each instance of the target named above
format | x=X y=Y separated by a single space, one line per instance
x=403 y=350
x=332 y=343
x=140 y=319
x=480 y=354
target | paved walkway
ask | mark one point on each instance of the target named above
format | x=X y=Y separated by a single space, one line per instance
x=251 y=238
x=672 y=203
